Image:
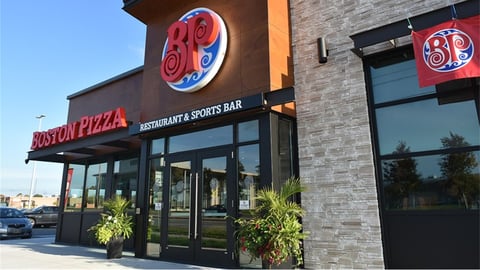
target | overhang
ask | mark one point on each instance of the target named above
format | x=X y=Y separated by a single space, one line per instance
x=400 y=29
x=109 y=143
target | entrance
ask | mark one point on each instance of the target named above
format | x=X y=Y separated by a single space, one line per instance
x=201 y=191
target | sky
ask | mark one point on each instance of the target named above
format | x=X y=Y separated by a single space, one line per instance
x=48 y=50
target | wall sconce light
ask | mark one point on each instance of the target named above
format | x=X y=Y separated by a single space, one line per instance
x=322 y=50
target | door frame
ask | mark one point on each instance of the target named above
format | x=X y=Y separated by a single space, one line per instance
x=194 y=253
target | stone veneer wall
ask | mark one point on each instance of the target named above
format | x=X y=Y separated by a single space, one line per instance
x=335 y=151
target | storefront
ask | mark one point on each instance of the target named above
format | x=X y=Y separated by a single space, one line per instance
x=237 y=95
x=189 y=137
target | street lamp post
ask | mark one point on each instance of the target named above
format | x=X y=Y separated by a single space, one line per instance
x=32 y=182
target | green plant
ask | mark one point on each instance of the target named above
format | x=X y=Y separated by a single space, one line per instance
x=115 y=222
x=274 y=231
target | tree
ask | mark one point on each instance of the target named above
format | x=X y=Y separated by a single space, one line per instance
x=402 y=176
x=457 y=169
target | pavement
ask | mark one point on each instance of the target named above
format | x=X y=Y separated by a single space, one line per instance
x=44 y=253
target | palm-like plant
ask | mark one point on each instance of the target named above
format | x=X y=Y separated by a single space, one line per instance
x=274 y=233
x=115 y=222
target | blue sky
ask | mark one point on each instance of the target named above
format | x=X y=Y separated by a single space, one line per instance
x=48 y=50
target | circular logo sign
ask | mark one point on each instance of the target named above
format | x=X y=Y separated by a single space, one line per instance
x=194 y=50
x=447 y=50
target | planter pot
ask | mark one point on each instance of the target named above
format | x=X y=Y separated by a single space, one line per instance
x=288 y=264
x=266 y=265
x=115 y=248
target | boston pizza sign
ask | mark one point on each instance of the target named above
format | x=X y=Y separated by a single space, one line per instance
x=87 y=126
x=194 y=50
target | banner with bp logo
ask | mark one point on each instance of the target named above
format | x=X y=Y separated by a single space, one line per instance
x=448 y=51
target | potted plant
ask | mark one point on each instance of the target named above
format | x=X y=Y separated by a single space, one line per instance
x=114 y=226
x=274 y=232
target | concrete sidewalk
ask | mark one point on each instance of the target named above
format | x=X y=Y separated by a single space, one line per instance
x=43 y=253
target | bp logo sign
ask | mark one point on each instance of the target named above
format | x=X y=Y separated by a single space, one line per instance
x=194 y=50
x=447 y=50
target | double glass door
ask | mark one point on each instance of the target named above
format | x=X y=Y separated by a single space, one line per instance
x=200 y=196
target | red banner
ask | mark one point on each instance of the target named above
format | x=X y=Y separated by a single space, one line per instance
x=68 y=187
x=448 y=51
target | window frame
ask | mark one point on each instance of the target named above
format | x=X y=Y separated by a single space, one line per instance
x=388 y=58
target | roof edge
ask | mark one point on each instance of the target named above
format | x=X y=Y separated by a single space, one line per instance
x=111 y=80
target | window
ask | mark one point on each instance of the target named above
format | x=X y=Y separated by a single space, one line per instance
x=248 y=131
x=431 y=182
x=427 y=139
x=88 y=185
x=155 y=202
x=74 y=188
x=248 y=175
x=158 y=146
x=125 y=173
x=285 y=150
x=95 y=185
x=201 y=139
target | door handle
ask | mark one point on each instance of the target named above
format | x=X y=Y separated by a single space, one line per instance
x=196 y=204
x=189 y=210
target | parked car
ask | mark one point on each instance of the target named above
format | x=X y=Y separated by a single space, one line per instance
x=43 y=216
x=13 y=223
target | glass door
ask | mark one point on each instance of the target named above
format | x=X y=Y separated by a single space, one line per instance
x=200 y=196
x=179 y=231
x=215 y=201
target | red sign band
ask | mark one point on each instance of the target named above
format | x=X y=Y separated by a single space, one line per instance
x=87 y=126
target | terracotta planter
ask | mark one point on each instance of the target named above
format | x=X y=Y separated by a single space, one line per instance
x=115 y=248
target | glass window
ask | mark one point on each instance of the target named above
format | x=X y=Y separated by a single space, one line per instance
x=180 y=204
x=214 y=202
x=425 y=139
x=249 y=176
x=248 y=131
x=285 y=149
x=432 y=182
x=95 y=186
x=125 y=175
x=74 y=188
x=158 y=146
x=396 y=81
x=155 y=207
x=248 y=185
x=422 y=124
x=201 y=139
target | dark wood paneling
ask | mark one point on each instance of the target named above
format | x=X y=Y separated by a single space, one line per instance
x=88 y=220
x=124 y=92
x=245 y=70
x=251 y=64
x=70 y=227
